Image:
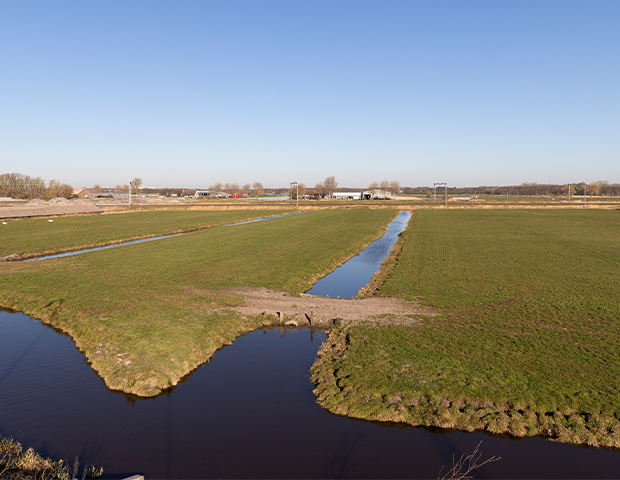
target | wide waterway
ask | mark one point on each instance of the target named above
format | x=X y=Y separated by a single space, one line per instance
x=249 y=412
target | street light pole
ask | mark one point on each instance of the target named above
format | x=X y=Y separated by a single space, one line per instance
x=297 y=194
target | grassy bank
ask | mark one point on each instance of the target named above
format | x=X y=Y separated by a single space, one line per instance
x=30 y=237
x=17 y=464
x=145 y=315
x=528 y=342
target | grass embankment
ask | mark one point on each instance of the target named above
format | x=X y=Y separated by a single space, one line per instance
x=528 y=342
x=31 y=237
x=145 y=315
x=17 y=464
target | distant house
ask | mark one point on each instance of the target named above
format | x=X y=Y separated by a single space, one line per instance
x=82 y=193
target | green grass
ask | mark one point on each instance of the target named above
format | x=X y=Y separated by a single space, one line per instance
x=35 y=236
x=528 y=341
x=147 y=314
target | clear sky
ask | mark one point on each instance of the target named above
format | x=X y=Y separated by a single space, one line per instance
x=188 y=93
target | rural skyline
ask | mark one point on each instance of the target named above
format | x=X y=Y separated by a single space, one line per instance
x=187 y=94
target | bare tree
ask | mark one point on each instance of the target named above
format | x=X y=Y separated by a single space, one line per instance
x=300 y=187
x=216 y=188
x=18 y=185
x=233 y=188
x=331 y=185
x=247 y=189
x=136 y=183
x=96 y=188
x=373 y=188
x=258 y=189
x=58 y=190
x=319 y=188
x=121 y=188
x=394 y=187
x=385 y=186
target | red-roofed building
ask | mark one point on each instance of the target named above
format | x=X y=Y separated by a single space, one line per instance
x=82 y=193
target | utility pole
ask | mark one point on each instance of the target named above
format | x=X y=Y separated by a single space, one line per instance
x=445 y=186
x=130 y=186
x=569 y=193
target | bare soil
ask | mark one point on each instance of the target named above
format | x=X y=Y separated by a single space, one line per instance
x=56 y=206
x=63 y=206
x=322 y=311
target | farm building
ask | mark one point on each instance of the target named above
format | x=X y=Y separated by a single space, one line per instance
x=347 y=195
x=376 y=195
x=82 y=193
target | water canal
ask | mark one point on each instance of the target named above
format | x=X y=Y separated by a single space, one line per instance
x=159 y=237
x=347 y=279
x=249 y=412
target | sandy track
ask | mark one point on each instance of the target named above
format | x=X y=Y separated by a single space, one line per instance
x=316 y=311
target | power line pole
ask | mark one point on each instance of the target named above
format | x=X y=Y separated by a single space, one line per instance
x=440 y=184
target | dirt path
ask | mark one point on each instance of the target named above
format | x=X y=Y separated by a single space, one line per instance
x=319 y=311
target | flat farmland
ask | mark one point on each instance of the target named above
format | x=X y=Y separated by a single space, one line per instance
x=145 y=315
x=38 y=236
x=528 y=340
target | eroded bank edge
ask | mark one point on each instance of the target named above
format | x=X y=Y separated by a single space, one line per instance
x=427 y=410
x=105 y=362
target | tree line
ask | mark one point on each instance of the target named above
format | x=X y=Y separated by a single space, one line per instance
x=25 y=187
x=256 y=189
x=385 y=186
x=599 y=188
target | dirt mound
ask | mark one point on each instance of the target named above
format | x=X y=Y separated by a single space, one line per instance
x=59 y=201
x=41 y=208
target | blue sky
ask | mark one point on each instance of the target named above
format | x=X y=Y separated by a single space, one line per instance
x=189 y=93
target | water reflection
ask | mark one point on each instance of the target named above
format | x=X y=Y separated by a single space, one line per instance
x=346 y=280
x=249 y=412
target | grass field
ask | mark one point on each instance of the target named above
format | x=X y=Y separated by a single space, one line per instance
x=528 y=341
x=35 y=236
x=147 y=314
